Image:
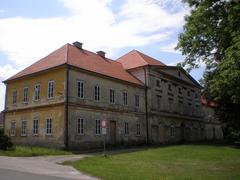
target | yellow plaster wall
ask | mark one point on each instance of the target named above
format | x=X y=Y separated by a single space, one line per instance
x=54 y=112
x=57 y=75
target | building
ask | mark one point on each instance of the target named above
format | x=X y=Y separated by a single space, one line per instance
x=61 y=100
x=1 y=120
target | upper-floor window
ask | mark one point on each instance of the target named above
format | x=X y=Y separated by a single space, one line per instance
x=196 y=95
x=98 y=127
x=35 y=127
x=25 y=94
x=24 y=128
x=159 y=101
x=112 y=96
x=97 y=93
x=125 y=98
x=80 y=89
x=180 y=90
x=37 y=92
x=126 y=130
x=50 y=89
x=188 y=93
x=13 y=128
x=138 y=129
x=14 y=97
x=49 y=126
x=137 y=100
x=158 y=84
x=169 y=87
x=80 y=126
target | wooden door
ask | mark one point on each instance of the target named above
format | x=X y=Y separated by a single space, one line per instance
x=112 y=132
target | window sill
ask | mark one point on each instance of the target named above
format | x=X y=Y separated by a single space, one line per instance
x=23 y=135
x=35 y=135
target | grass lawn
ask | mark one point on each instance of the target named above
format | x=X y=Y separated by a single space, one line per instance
x=172 y=162
x=25 y=151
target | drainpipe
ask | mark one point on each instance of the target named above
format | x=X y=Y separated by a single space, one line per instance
x=66 y=109
x=146 y=106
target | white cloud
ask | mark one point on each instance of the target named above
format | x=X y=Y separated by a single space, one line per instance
x=170 y=48
x=3 y=11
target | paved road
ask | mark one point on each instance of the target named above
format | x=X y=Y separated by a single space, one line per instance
x=47 y=167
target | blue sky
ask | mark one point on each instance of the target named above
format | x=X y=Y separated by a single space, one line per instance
x=29 y=30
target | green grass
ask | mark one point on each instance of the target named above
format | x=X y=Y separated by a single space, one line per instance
x=24 y=151
x=173 y=162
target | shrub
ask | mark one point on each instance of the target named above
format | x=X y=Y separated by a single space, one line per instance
x=5 y=142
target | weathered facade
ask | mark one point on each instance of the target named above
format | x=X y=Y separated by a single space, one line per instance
x=61 y=100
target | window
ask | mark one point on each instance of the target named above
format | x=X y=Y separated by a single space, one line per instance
x=180 y=90
x=159 y=101
x=158 y=83
x=49 y=126
x=13 y=128
x=196 y=95
x=170 y=102
x=50 y=89
x=35 y=127
x=80 y=126
x=98 y=127
x=14 y=97
x=97 y=93
x=80 y=89
x=125 y=96
x=169 y=87
x=172 y=131
x=188 y=93
x=37 y=92
x=24 y=128
x=112 y=98
x=126 y=128
x=137 y=100
x=138 y=129
x=25 y=94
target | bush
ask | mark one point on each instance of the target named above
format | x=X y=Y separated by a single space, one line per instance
x=5 y=142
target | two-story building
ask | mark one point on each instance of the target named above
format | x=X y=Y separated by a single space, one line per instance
x=60 y=101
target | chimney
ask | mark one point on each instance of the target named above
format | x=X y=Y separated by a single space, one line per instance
x=101 y=53
x=78 y=44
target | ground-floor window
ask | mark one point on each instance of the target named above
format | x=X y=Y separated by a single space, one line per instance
x=138 y=129
x=98 y=127
x=126 y=131
x=24 y=128
x=49 y=126
x=172 y=131
x=35 y=127
x=80 y=126
x=13 y=128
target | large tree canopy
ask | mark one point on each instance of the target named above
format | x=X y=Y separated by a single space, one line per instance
x=211 y=35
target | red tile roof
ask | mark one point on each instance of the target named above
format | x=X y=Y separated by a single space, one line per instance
x=135 y=59
x=80 y=58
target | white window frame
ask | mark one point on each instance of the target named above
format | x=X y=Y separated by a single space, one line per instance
x=138 y=129
x=97 y=93
x=126 y=128
x=137 y=100
x=80 y=89
x=112 y=96
x=37 y=92
x=80 y=126
x=50 y=92
x=14 y=97
x=125 y=98
x=13 y=128
x=49 y=126
x=25 y=94
x=98 y=127
x=24 y=128
x=35 y=127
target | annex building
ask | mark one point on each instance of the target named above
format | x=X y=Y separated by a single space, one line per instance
x=60 y=101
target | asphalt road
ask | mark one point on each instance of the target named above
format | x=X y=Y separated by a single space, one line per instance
x=6 y=174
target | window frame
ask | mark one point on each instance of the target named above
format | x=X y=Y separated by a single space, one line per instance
x=138 y=129
x=35 y=129
x=13 y=128
x=125 y=98
x=80 y=89
x=49 y=126
x=97 y=127
x=97 y=93
x=80 y=126
x=126 y=128
x=50 y=91
x=14 y=97
x=37 y=92
x=25 y=95
x=172 y=131
x=112 y=96
x=24 y=128
x=137 y=100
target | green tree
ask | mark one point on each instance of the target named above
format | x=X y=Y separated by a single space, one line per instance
x=211 y=35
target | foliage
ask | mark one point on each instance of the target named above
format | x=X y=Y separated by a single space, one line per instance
x=5 y=142
x=212 y=36
x=173 y=162
x=24 y=151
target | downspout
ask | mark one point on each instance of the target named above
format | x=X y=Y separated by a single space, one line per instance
x=146 y=106
x=66 y=109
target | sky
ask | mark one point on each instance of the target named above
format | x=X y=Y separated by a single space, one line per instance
x=30 y=30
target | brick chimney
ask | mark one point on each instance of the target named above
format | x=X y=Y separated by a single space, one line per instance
x=101 y=53
x=78 y=44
